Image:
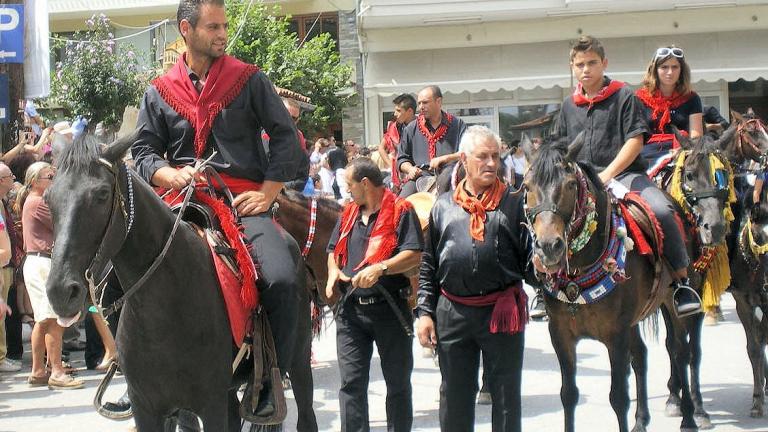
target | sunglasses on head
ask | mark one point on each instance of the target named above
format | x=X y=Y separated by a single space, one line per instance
x=666 y=52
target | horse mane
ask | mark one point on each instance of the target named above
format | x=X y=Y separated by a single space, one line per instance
x=80 y=155
x=549 y=160
x=591 y=174
x=322 y=203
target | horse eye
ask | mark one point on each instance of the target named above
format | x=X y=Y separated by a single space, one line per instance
x=689 y=176
x=101 y=195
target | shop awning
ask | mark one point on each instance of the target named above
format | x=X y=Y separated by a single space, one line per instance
x=725 y=56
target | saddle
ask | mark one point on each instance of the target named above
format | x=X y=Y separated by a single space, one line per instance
x=645 y=230
x=250 y=328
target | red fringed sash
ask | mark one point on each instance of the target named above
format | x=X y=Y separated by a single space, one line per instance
x=383 y=240
x=392 y=139
x=510 y=308
x=225 y=80
x=433 y=138
x=661 y=106
x=579 y=99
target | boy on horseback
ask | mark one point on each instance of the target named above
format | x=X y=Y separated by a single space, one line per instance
x=210 y=101
x=613 y=121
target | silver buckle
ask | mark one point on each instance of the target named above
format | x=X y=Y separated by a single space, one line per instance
x=367 y=300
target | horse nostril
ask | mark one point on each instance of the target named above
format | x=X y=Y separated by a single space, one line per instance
x=705 y=225
x=72 y=290
x=537 y=245
x=558 y=245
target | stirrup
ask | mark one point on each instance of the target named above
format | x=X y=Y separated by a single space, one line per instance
x=687 y=312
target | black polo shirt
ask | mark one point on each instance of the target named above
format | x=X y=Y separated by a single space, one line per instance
x=408 y=238
x=607 y=125
x=413 y=145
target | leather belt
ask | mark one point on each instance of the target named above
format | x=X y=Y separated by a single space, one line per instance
x=39 y=254
x=373 y=299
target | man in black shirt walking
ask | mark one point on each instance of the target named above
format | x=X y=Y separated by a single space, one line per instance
x=471 y=298
x=377 y=238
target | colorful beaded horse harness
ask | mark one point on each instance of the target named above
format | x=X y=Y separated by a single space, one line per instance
x=591 y=283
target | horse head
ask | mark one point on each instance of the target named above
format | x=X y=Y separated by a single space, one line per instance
x=553 y=186
x=750 y=140
x=90 y=218
x=706 y=182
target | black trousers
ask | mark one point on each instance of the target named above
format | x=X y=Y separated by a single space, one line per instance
x=277 y=255
x=13 y=328
x=358 y=327
x=462 y=334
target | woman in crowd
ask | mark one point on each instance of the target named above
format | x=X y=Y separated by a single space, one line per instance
x=38 y=241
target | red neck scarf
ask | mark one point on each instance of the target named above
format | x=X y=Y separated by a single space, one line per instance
x=604 y=93
x=225 y=80
x=383 y=240
x=661 y=105
x=391 y=140
x=477 y=207
x=433 y=138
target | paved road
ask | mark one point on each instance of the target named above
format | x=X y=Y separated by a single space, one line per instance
x=726 y=378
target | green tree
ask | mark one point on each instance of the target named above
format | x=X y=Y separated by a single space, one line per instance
x=97 y=78
x=313 y=69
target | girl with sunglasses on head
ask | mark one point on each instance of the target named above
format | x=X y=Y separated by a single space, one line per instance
x=669 y=100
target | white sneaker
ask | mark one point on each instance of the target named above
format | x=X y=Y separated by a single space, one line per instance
x=8 y=366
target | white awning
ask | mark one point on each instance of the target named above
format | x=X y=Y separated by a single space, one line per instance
x=725 y=56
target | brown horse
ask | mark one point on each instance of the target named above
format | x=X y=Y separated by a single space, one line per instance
x=562 y=197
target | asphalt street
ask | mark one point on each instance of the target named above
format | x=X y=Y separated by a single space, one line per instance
x=726 y=387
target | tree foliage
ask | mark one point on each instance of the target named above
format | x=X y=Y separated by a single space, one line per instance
x=313 y=68
x=97 y=78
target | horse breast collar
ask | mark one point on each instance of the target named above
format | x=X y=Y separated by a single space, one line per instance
x=600 y=278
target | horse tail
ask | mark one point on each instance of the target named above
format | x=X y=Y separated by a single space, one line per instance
x=649 y=326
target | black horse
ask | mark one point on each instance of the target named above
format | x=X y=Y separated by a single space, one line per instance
x=174 y=341
x=702 y=206
x=559 y=195
x=749 y=287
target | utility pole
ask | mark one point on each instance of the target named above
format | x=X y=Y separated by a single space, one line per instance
x=15 y=73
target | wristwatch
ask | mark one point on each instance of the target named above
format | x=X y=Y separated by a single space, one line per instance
x=384 y=268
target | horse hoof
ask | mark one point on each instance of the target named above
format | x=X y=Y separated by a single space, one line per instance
x=673 y=410
x=703 y=422
x=639 y=428
x=756 y=412
x=685 y=429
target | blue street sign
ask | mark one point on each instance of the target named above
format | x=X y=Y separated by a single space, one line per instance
x=12 y=33
x=5 y=108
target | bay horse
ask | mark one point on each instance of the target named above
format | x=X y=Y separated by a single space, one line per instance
x=174 y=341
x=565 y=199
x=704 y=198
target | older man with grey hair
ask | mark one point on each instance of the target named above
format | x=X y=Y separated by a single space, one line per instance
x=471 y=299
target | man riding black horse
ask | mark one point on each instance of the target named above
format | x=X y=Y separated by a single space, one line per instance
x=210 y=102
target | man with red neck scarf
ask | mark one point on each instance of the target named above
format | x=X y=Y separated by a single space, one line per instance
x=377 y=238
x=431 y=139
x=210 y=102
x=614 y=126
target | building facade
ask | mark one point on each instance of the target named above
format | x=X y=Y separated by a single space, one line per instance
x=504 y=63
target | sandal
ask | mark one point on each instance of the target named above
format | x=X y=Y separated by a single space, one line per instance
x=104 y=365
x=66 y=383
x=34 y=381
x=68 y=368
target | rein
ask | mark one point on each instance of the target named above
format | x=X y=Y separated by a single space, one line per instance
x=129 y=217
x=312 y=228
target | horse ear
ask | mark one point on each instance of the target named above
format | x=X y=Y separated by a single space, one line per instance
x=736 y=117
x=750 y=112
x=684 y=141
x=727 y=137
x=574 y=148
x=528 y=149
x=116 y=151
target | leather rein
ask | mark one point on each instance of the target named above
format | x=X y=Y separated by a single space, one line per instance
x=128 y=212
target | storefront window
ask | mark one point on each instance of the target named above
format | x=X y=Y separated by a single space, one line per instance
x=533 y=120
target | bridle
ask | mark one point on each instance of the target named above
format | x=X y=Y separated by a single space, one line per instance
x=128 y=212
x=746 y=146
x=582 y=222
x=720 y=190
